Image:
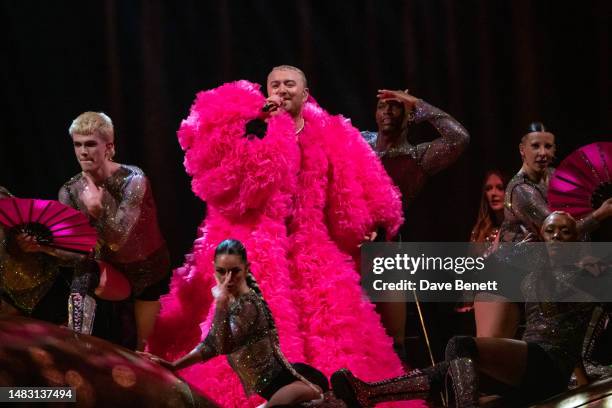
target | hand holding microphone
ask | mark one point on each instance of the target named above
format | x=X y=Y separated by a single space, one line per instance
x=257 y=127
x=273 y=103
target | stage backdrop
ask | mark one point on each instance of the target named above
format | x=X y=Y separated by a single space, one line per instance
x=494 y=65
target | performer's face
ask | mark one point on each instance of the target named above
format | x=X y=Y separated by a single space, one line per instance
x=91 y=151
x=389 y=115
x=558 y=228
x=537 y=150
x=494 y=191
x=289 y=86
x=227 y=263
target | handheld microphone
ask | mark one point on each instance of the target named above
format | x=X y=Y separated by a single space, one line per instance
x=258 y=127
x=267 y=107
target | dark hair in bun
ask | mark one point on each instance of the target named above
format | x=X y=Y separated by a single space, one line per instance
x=536 y=127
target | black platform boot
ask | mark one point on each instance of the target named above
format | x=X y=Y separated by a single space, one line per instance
x=417 y=384
x=461 y=385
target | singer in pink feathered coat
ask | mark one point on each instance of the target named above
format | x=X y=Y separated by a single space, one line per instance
x=301 y=202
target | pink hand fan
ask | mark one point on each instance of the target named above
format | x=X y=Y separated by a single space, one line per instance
x=51 y=222
x=583 y=181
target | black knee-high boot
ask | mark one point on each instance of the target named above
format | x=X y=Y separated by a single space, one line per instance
x=416 y=384
x=459 y=372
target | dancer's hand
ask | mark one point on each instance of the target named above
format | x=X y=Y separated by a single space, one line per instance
x=164 y=363
x=91 y=196
x=224 y=288
x=403 y=97
x=604 y=211
x=273 y=104
x=370 y=237
x=594 y=266
x=29 y=243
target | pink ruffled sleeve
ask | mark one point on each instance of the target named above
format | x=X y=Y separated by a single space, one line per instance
x=234 y=173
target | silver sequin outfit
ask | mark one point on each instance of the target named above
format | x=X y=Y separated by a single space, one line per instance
x=410 y=165
x=559 y=328
x=526 y=207
x=246 y=333
x=128 y=233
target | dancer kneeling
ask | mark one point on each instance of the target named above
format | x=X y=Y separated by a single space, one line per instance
x=536 y=367
x=244 y=330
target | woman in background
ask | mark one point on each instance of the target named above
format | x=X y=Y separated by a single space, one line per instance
x=491 y=212
x=526 y=207
x=488 y=222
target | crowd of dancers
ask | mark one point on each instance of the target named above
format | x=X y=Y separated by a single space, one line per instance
x=300 y=190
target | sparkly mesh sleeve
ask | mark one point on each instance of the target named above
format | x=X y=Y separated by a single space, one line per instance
x=65 y=198
x=442 y=152
x=529 y=206
x=119 y=219
x=587 y=224
x=231 y=329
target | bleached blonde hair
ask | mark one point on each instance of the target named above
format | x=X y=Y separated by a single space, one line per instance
x=88 y=123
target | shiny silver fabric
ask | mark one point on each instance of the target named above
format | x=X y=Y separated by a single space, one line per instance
x=409 y=165
x=525 y=207
x=81 y=313
x=464 y=379
x=357 y=393
x=128 y=233
x=246 y=333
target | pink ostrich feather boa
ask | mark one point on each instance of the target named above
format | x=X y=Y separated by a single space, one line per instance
x=299 y=206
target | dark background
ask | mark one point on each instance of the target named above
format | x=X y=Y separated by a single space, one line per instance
x=494 y=65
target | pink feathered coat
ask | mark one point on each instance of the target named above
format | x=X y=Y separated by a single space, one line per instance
x=301 y=205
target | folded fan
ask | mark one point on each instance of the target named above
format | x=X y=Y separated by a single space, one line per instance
x=583 y=181
x=50 y=222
